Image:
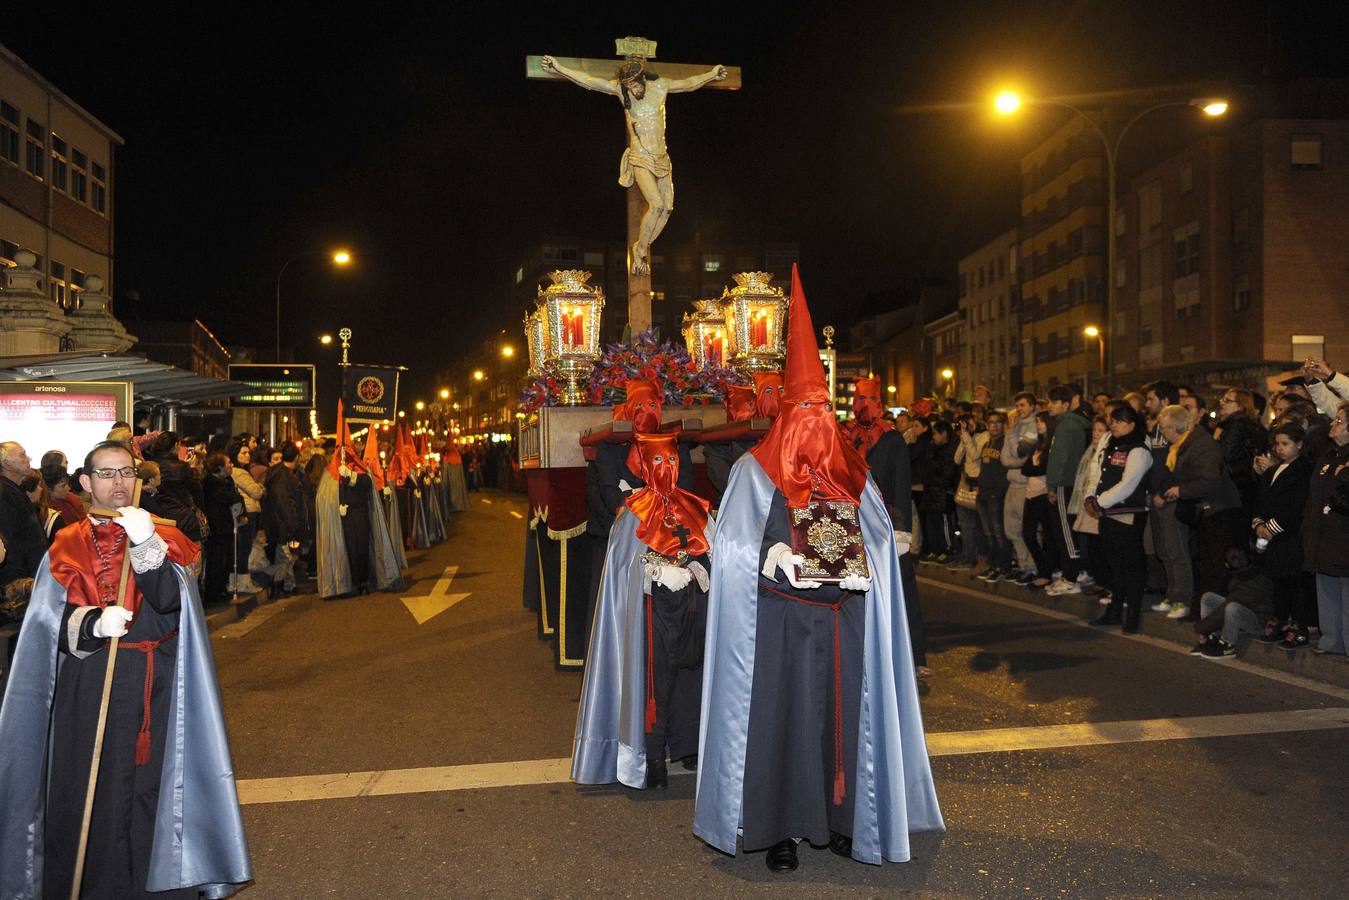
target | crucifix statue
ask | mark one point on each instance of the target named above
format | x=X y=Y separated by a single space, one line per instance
x=645 y=168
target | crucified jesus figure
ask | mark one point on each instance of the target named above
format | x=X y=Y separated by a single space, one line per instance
x=646 y=162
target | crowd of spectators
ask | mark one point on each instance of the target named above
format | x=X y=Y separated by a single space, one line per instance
x=249 y=507
x=1234 y=517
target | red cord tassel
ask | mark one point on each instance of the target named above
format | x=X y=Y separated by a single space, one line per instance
x=650 y=672
x=142 y=748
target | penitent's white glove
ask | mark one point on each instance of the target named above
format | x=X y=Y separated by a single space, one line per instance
x=780 y=556
x=903 y=541
x=388 y=491
x=344 y=471
x=341 y=509
x=136 y=523
x=856 y=583
x=112 y=622
x=673 y=578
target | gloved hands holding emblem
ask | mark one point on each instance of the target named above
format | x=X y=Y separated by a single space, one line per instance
x=856 y=583
x=780 y=556
x=112 y=622
x=136 y=523
x=673 y=578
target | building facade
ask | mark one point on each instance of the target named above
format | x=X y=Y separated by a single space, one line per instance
x=1062 y=255
x=989 y=291
x=1230 y=256
x=56 y=183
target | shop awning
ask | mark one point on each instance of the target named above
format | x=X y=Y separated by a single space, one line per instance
x=152 y=383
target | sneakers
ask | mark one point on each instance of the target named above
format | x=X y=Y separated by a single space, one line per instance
x=1105 y=598
x=941 y=559
x=1178 y=611
x=1061 y=588
x=1162 y=606
x=1028 y=579
x=958 y=565
x=1294 y=637
x=1204 y=643
x=1273 y=632
x=1085 y=580
x=990 y=576
x=1011 y=575
x=1218 y=650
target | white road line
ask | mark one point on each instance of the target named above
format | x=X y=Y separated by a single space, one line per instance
x=254 y=619
x=1288 y=678
x=485 y=500
x=345 y=785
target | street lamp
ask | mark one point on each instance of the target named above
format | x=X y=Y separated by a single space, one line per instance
x=1009 y=102
x=420 y=406
x=508 y=351
x=444 y=393
x=326 y=339
x=339 y=258
x=479 y=374
x=948 y=374
x=1092 y=331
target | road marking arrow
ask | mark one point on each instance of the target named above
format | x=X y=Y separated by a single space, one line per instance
x=429 y=606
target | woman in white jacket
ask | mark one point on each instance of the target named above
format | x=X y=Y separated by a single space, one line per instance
x=247 y=524
x=1084 y=486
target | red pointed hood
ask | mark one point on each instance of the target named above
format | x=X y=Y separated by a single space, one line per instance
x=397 y=469
x=345 y=451
x=804 y=453
x=739 y=403
x=768 y=394
x=642 y=405
x=371 y=458
x=672 y=519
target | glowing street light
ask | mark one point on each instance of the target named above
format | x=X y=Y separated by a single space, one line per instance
x=326 y=339
x=508 y=351
x=948 y=374
x=479 y=374
x=1091 y=331
x=420 y=406
x=890 y=389
x=1006 y=103
x=444 y=393
x=342 y=257
x=1211 y=106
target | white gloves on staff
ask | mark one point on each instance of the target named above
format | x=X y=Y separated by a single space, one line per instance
x=344 y=471
x=780 y=556
x=341 y=509
x=856 y=583
x=112 y=622
x=903 y=541
x=136 y=523
x=672 y=578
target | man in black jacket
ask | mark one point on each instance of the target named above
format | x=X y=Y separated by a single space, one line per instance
x=283 y=513
x=23 y=537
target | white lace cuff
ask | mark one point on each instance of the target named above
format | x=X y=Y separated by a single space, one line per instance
x=149 y=555
x=73 y=625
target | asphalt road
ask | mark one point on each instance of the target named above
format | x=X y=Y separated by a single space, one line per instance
x=1259 y=808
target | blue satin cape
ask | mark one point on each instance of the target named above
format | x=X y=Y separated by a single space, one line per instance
x=894 y=794
x=199 y=833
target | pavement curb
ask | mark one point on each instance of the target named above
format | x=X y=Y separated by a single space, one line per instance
x=1324 y=668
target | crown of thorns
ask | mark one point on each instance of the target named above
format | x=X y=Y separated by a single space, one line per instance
x=630 y=72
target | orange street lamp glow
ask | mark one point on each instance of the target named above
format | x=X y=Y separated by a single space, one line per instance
x=1213 y=108
x=326 y=339
x=342 y=257
x=444 y=393
x=479 y=374
x=420 y=405
x=1091 y=331
x=508 y=350
x=1006 y=103
x=948 y=374
x=890 y=389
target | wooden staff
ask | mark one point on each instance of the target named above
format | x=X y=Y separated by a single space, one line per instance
x=107 y=695
x=99 y=512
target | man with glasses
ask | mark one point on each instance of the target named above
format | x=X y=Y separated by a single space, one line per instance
x=163 y=712
x=20 y=530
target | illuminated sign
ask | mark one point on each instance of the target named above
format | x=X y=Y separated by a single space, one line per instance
x=273 y=387
x=70 y=416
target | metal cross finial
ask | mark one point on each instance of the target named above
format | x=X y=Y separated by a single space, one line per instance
x=828 y=336
x=345 y=335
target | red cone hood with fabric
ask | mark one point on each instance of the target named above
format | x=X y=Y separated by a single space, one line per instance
x=642 y=406
x=371 y=458
x=867 y=425
x=672 y=519
x=740 y=403
x=397 y=469
x=452 y=457
x=352 y=459
x=768 y=394
x=804 y=453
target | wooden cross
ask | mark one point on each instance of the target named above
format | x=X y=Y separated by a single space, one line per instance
x=632 y=49
x=681 y=532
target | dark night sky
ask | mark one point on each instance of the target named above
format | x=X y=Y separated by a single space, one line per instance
x=409 y=133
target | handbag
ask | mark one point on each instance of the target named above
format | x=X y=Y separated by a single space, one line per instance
x=967 y=496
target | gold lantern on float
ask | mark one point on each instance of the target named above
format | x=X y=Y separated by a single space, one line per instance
x=755 y=313
x=705 y=334
x=536 y=336
x=571 y=309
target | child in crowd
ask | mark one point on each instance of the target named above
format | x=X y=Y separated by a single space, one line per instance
x=1249 y=602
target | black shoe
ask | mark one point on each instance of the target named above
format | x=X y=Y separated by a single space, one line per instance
x=1106 y=621
x=781 y=857
x=1198 y=649
x=840 y=845
x=657 y=777
x=690 y=762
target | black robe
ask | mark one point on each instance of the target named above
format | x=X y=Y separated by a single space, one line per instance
x=720 y=458
x=356 y=533
x=122 y=826
x=678 y=630
x=889 y=462
x=789 y=755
